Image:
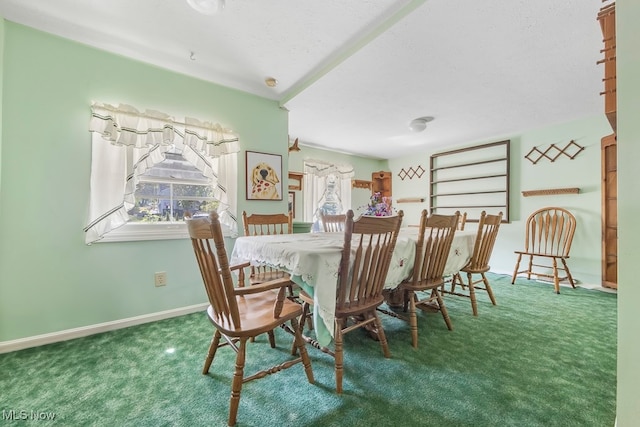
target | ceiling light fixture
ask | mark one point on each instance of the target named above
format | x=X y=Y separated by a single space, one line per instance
x=207 y=7
x=420 y=124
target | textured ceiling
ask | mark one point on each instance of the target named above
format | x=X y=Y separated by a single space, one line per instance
x=353 y=74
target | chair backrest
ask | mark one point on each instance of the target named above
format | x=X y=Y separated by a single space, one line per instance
x=462 y=221
x=432 y=247
x=550 y=231
x=333 y=223
x=266 y=224
x=208 y=244
x=488 y=227
x=373 y=240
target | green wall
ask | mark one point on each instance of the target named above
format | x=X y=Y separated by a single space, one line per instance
x=628 y=85
x=49 y=279
x=564 y=172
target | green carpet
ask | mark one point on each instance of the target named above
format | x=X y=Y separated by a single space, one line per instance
x=536 y=359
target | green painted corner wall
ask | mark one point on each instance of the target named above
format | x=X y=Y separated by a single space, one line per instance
x=49 y=279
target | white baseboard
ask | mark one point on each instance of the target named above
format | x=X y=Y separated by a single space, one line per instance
x=22 y=343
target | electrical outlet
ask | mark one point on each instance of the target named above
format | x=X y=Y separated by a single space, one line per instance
x=161 y=278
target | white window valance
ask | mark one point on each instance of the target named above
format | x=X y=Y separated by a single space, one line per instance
x=127 y=142
x=322 y=168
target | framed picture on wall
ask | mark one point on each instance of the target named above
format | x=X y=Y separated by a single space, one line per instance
x=292 y=203
x=264 y=176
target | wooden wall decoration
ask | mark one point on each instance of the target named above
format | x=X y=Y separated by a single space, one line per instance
x=411 y=172
x=571 y=150
x=361 y=183
x=551 y=192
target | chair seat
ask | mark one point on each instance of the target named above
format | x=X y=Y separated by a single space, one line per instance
x=256 y=315
x=482 y=269
x=420 y=286
x=541 y=254
x=346 y=311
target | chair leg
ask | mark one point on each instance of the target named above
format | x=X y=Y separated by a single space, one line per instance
x=305 y=314
x=556 y=279
x=339 y=355
x=515 y=271
x=454 y=279
x=236 y=385
x=566 y=268
x=272 y=339
x=530 y=267
x=299 y=343
x=488 y=288
x=443 y=308
x=413 y=319
x=472 y=294
x=381 y=336
x=215 y=341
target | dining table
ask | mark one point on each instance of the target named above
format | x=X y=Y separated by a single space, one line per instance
x=313 y=261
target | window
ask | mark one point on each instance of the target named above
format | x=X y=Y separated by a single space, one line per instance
x=147 y=170
x=169 y=189
x=327 y=189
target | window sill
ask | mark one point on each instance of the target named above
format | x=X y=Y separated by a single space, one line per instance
x=141 y=232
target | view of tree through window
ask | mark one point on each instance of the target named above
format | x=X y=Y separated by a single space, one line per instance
x=171 y=188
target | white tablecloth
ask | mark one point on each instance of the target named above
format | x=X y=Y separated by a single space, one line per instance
x=313 y=260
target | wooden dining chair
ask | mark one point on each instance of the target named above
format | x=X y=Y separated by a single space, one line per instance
x=435 y=236
x=267 y=224
x=488 y=227
x=333 y=223
x=239 y=313
x=366 y=256
x=548 y=235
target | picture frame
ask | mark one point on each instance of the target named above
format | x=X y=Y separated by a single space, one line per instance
x=292 y=203
x=263 y=176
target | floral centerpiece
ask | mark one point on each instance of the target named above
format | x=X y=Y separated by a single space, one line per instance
x=378 y=206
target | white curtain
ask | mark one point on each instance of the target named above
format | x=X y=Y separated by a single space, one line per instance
x=125 y=143
x=315 y=186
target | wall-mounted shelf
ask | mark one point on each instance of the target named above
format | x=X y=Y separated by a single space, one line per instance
x=361 y=183
x=471 y=180
x=296 y=177
x=410 y=200
x=551 y=192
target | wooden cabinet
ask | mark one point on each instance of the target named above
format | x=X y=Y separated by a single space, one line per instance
x=381 y=182
x=609 y=212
